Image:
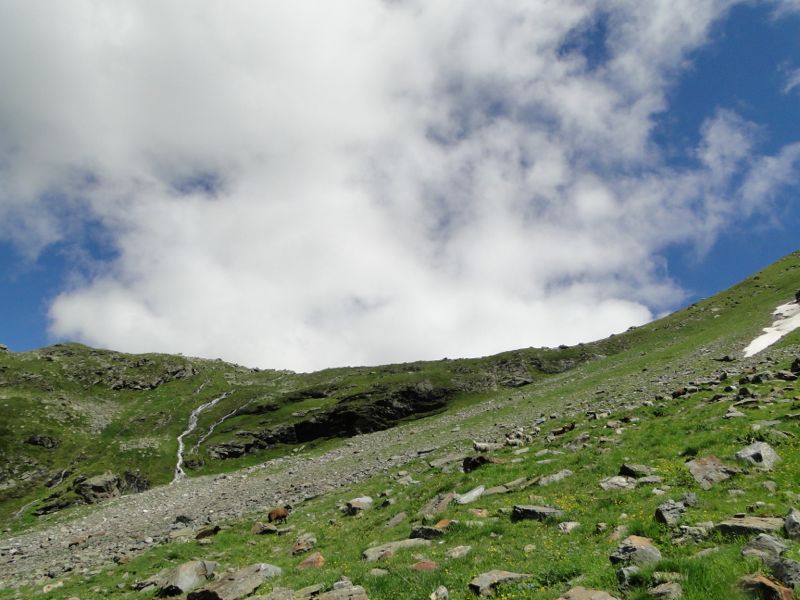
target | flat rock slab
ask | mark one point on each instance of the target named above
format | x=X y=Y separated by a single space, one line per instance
x=636 y=471
x=536 y=513
x=670 y=512
x=749 y=525
x=762 y=587
x=426 y=533
x=352 y=592
x=437 y=504
x=618 y=482
x=390 y=548
x=582 y=593
x=470 y=496
x=548 y=479
x=238 y=584
x=446 y=460
x=485 y=583
x=709 y=470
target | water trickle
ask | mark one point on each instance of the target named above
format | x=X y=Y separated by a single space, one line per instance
x=192 y=425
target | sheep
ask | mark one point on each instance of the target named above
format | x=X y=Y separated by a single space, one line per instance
x=279 y=514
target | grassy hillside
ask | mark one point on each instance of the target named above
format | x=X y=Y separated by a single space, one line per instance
x=629 y=376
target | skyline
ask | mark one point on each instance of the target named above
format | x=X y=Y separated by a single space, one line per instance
x=390 y=181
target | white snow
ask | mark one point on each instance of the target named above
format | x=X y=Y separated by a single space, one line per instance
x=788 y=319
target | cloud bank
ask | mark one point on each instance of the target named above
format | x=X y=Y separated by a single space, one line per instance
x=305 y=184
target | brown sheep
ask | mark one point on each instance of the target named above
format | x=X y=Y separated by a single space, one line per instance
x=277 y=515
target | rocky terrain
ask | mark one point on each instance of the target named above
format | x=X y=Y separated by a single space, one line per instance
x=665 y=469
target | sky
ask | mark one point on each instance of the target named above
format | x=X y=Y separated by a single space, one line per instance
x=306 y=185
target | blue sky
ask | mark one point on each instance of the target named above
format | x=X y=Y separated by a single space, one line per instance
x=393 y=181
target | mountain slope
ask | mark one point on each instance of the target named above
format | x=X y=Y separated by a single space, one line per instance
x=622 y=375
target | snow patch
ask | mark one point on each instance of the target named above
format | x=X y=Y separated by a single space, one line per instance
x=788 y=319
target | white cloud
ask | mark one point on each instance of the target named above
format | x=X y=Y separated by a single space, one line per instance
x=302 y=185
x=792 y=81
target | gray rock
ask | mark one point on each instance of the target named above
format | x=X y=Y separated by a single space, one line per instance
x=186 y=577
x=426 y=533
x=378 y=572
x=357 y=505
x=438 y=504
x=390 y=548
x=304 y=543
x=396 y=520
x=666 y=591
x=458 y=552
x=709 y=470
x=785 y=570
x=618 y=482
x=635 y=550
x=670 y=512
x=548 y=479
x=627 y=576
x=582 y=593
x=749 y=525
x=238 y=584
x=759 y=454
x=764 y=545
x=484 y=584
x=792 y=524
x=636 y=471
x=537 y=513
x=440 y=593
x=98 y=488
x=470 y=496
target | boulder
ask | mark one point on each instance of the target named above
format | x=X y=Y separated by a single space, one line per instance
x=785 y=570
x=670 y=512
x=470 y=496
x=186 y=577
x=792 y=524
x=344 y=591
x=618 y=482
x=636 y=471
x=671 y=590
x=749 y=525
x=440 y=593
x=390 y=548
x=536 y=513
x=548 y=479
x=437 y=504
x=635 y=550
x=98 y=488
x=582 y=593
x=396 y=520
x=426 y=533
x=709 y=470
x=763 y=546
x=357 y=505
x=470 y=463
x=424 y=565
x=759 y=454
x=45 y=441
x=304 y=543
x=238 y=584
x=485 y=583
x=764 y=588
x=313 y=561
x=458 y=552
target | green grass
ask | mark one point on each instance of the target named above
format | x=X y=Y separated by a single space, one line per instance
x=622 y=370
